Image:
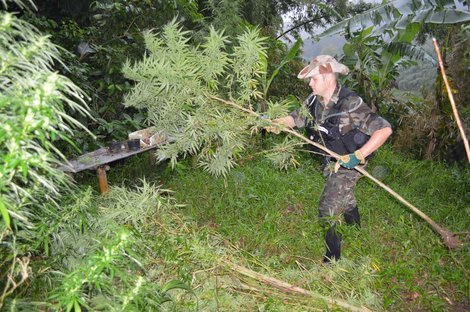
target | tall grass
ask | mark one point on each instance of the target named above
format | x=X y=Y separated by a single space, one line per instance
x=33 y=104
x=272 y=215
x=176 y=242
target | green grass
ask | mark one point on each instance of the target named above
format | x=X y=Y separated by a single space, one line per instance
x=272 y=214
x=394 y=262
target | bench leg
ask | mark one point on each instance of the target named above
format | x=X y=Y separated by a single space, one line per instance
x=102 y=179
x=152 y=158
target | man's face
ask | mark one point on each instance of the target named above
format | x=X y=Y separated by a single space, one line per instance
x=318 y=84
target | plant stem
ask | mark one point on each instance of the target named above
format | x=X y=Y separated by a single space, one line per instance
x=288 y=288
x=300 y=25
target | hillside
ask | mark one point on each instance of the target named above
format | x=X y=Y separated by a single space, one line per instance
x=267 y=220
x=140 y=170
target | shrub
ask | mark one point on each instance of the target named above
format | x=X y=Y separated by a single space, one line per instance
x=178 y=83
x=33 y=99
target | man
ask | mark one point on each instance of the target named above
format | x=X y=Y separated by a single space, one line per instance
x=340 y=120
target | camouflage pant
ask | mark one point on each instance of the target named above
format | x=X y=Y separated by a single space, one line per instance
x=338 y=194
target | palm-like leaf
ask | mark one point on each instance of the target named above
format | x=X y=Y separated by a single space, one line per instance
x=291 y=54
x=399 y=14
x=409 y=50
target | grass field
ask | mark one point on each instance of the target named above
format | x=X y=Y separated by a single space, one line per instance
x=267 y=219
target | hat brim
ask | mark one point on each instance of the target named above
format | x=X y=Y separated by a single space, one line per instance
x=310 y=71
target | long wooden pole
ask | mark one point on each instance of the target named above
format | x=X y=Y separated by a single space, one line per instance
x=451 y=99
x=288 y=288
x=449 y=239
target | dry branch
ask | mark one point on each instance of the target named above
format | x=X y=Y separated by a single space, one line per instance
x=11 y=283
x=291 y=289
x=449 y=239
x=451 y=98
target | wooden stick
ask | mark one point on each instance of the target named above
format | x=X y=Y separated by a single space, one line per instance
x=451 y=98
x=288 y=288
x=102 y=179
x=449 y=239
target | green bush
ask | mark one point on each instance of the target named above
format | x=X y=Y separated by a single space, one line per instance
x=175 y=81
x=33 y=101
x=110 y=272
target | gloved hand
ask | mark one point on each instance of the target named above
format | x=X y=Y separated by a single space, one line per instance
x=272 y=129
x=352 y=160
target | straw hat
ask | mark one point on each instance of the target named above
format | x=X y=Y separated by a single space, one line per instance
x=322 y=64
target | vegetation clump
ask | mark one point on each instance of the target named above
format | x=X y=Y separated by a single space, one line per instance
x=177 y=84
x=233 y=241
x=33 y=103
x=151 y=256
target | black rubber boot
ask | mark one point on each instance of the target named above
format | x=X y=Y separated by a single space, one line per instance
x=333 y=245
x=352 y=217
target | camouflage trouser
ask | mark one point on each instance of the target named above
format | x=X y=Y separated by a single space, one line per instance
x=338 y=194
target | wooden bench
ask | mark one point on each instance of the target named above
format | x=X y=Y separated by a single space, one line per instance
x=98 y=160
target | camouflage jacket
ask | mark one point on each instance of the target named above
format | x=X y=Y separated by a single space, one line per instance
x=353 y=112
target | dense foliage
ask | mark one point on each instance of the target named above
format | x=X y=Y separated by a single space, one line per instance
x=163 y=63
x=115 y=272
x=102 y=35
x=177 y=83
x=33 y=104
x=263 y=219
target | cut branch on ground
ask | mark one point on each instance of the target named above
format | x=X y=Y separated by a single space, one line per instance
x=291 y=289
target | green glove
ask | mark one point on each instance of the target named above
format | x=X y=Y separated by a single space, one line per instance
x=352 y=160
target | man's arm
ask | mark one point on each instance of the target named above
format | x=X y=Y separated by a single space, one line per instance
x=359 y=157
x=377 y=139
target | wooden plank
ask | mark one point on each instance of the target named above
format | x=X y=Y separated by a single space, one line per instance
x=101 y=157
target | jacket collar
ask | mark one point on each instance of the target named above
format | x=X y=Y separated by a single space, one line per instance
x=334 y=98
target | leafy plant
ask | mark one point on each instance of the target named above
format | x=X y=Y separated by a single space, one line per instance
x=399 y=14
x=376 y=60
x=266 y=81
x=226 y=14
x=177 y=83
x=33 y=104
x=83 y=272
x=107 y=271
x=100 y=36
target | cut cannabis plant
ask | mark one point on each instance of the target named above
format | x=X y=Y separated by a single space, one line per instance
x=177 y=82
x=112 y=273
x=33 y=99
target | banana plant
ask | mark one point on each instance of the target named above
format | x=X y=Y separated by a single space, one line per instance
x=265 y=81
x=398 y=14
x=376 y=59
